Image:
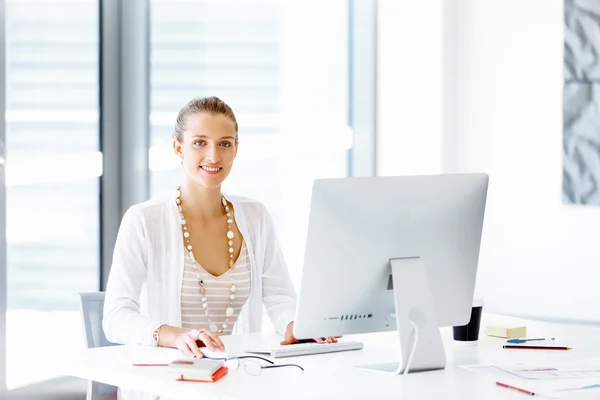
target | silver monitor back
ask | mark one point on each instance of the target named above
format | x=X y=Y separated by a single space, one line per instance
x=357 y=225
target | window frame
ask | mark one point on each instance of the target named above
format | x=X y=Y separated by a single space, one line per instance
x=3 y=266
x=124 y=116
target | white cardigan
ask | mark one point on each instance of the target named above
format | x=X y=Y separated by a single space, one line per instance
x=144 y=285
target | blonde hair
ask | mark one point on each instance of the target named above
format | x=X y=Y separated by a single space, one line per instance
x=212 y=105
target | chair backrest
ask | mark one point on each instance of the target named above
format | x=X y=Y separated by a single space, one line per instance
x=92 y=306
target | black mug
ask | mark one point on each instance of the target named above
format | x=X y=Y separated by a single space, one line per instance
x=470 y=332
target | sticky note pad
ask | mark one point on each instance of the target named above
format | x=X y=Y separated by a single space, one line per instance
x=506 y=331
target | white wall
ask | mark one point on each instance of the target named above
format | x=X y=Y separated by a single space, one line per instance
x=538 y=257
x=409 y=73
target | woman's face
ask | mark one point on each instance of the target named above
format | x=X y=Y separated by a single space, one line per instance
x=208 y=148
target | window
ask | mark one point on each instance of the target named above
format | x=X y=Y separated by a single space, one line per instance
x=286 y=83
x=53 y=165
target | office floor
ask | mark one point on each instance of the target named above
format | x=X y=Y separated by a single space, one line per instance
x=58 y=389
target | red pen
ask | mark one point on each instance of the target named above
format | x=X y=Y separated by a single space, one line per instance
x=504 y=385
x=508 y=346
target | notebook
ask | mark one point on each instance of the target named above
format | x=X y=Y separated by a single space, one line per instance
x=198 y=370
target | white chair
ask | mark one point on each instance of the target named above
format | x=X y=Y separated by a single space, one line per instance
x=92 y=305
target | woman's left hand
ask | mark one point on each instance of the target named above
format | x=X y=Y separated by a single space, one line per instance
x=290 y=339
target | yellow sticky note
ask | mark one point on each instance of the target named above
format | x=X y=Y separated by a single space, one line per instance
x=506 y=331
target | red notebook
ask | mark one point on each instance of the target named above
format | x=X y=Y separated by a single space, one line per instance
x=221 y=372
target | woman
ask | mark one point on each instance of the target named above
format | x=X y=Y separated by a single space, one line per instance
x=197 y=264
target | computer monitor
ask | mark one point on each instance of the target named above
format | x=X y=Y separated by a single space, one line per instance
x=392 y=253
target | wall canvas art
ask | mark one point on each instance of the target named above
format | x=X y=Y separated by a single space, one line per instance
x=581 y=103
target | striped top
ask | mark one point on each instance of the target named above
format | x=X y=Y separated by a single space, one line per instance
x=217 y=293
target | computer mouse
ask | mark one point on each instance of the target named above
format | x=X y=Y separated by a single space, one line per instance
x=216 y=353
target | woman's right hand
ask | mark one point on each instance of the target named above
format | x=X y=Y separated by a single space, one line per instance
x=188 y=342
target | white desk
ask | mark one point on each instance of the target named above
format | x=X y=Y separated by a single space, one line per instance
x=333 y=376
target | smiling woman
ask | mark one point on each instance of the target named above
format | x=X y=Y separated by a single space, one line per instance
x=206 y=262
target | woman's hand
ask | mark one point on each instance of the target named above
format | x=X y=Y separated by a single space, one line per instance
x=290 y=339
x=188 y=342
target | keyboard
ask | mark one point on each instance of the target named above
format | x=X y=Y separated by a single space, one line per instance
x=305 y=349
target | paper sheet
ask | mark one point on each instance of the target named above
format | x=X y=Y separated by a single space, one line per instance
x=549 y=381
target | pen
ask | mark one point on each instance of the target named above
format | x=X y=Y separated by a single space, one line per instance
x=508 y=346
x=525 y=340
x=504 y=385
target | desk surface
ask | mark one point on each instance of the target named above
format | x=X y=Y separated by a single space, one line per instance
x=333 y=375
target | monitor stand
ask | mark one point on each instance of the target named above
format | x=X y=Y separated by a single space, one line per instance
x=413 y=302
